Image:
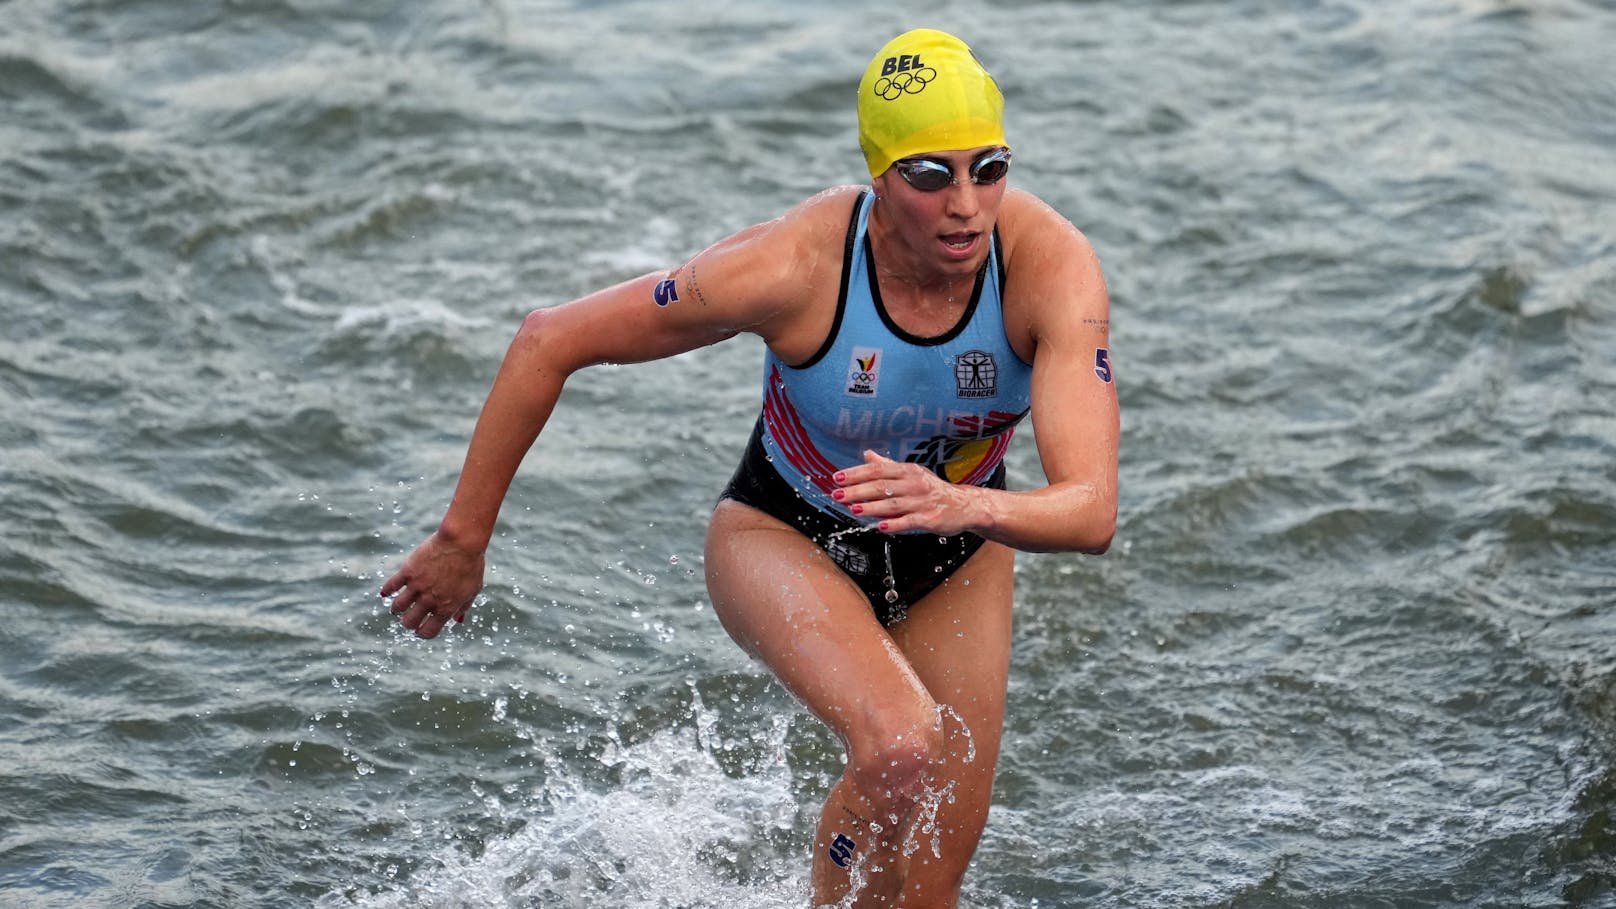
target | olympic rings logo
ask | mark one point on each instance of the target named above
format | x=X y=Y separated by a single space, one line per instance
x=910 y=82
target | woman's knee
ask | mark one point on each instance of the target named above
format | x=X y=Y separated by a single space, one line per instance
x=887 y=764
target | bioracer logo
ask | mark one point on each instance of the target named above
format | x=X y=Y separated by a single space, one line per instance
x=976 y=374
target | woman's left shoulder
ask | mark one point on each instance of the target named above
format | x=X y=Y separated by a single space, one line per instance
x=1035 y=236
x=1025 y=217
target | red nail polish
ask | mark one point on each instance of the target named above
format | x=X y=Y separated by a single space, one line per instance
x=882 y=525
x=840 y=477
x=838 y=494
x=858 y=509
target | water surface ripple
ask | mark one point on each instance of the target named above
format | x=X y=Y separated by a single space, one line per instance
x=259 y=260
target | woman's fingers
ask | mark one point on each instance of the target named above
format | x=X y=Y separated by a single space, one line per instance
x=437 y=584
x=888 y=491
x=878 y=479
x=903 y=497
x=403 y=598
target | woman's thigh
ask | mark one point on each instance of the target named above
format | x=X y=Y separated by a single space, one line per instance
x=789 y=605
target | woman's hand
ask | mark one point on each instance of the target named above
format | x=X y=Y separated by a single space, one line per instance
x=901 y=497
x=436 y=583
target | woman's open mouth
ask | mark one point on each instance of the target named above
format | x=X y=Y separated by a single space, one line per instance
x=961 y=243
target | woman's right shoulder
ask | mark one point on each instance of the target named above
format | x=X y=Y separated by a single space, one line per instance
x=765 y=275
x=795 y=249
x=816 y=230
x=826 y=212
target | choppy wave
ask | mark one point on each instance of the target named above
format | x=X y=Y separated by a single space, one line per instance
x=1353 y=645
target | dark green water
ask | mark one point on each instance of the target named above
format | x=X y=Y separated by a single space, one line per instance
x=258 y=261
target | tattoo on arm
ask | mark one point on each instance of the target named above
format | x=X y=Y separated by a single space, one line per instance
x=696 y=288
x=1098 y=324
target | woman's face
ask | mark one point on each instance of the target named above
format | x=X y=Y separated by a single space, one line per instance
x=944 y=231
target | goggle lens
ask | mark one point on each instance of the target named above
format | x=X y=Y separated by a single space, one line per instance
x=929 y=176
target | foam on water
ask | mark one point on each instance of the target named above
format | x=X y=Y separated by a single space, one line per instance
x=711 y=811
x=674 y=827
x=672 y=835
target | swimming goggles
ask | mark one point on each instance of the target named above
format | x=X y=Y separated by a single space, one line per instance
x=929 y=176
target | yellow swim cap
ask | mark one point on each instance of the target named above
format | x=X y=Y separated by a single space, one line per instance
x=926 y=92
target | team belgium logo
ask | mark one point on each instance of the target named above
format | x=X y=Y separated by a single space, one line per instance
x=864 y=371
x=902 y=75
